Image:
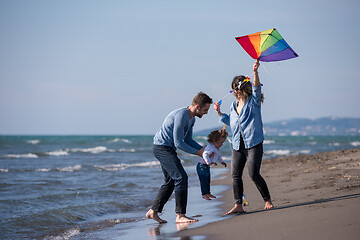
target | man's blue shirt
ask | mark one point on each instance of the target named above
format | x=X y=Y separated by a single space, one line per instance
x=176 y=131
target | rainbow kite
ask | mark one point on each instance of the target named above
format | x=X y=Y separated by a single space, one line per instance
x=267 y=46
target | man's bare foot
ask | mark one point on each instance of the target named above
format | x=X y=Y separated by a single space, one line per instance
x=237 y=209
x=181 y=218
x=151 y=214
x=205 y=197
x=268 y=205
x=211 y=196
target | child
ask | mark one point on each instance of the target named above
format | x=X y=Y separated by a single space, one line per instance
x=211 y=153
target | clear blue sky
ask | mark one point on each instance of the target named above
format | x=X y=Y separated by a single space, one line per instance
x=119 y=67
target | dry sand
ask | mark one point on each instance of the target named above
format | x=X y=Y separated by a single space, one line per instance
x=315 y=196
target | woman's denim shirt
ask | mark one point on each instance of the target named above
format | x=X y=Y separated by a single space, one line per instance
x=248 y=123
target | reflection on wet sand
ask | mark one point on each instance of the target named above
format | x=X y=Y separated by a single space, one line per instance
x=154 y=233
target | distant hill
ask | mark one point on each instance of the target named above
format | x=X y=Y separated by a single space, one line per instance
x=326 y=126
x=314 y=127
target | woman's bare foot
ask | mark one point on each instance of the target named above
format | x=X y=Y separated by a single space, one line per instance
x=211 y=196
x=206 y=197
x=268 y=205
x=237 y=209
x=151 y=214
x=181 y=218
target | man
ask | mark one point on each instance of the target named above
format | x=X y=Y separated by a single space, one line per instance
x=176 y=132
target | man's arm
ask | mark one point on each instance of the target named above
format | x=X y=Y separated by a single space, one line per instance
x=189 y=140
x=179 y=138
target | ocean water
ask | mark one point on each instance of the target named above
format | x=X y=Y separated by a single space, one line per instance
x=68 y=187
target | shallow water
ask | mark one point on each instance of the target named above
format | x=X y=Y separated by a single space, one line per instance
x=62 y=187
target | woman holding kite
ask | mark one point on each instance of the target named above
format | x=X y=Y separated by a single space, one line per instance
x=247 y=130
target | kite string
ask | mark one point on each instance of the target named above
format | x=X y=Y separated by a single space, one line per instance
x=220 y=101
x=250 y=74
x=230 y=143
x=267 y=71
x=226 y=95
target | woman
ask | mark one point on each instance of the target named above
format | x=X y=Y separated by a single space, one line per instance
x=247 y=130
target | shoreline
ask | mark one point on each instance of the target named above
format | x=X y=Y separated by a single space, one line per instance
x=315 y=196
x=205 y=211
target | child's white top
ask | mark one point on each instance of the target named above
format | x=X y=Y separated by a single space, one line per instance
x=209 y=149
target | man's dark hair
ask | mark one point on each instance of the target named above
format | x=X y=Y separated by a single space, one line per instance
x=201 y=99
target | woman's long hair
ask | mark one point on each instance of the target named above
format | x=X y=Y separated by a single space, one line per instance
x=245 y=89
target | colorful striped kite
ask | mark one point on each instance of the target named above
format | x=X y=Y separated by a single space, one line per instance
x=267 y=46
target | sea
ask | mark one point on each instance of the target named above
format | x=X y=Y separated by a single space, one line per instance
x=100 y=187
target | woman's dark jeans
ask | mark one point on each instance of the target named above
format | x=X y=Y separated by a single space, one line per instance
x=203 y=171
x=253 y=157
x=175 y=178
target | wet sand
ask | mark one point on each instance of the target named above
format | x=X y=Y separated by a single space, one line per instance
x=315 y=196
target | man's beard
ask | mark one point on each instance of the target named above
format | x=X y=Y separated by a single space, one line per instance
x=199 y=115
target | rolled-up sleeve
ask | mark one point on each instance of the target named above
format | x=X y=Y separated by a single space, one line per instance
x=257 y=94
x=225 y=119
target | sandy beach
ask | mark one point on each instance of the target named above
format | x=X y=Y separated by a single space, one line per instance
x=76 y=195
x=315 y=196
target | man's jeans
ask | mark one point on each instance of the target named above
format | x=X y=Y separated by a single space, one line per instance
x=175 y=178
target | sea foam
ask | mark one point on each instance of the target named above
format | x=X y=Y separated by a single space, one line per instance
x=287 y=152
x=43 y=170
x=68 y=234
x=70 y=168
x=26 y=155
x=125 y=140
x=269 y=141
x=127 y=150
x=355 y=144
x=278 y=152
x=123 y=166
x=115 y=140
x=35 y=141
x=58 y=153
x=93 y=150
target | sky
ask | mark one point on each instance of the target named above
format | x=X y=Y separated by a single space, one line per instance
x=119 y=67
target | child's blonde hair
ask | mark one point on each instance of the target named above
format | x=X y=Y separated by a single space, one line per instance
x=216 y=135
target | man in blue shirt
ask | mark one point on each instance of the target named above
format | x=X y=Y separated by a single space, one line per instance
x=176 y=132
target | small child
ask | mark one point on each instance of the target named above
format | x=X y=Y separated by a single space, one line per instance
x=211 y=153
